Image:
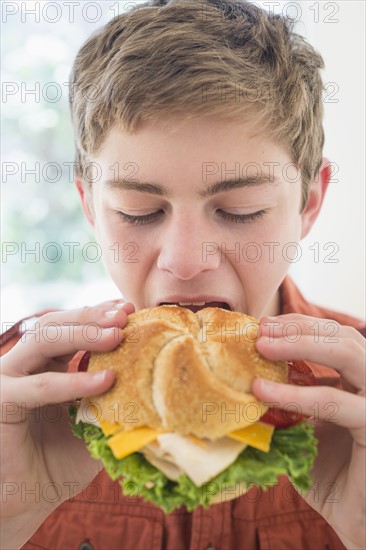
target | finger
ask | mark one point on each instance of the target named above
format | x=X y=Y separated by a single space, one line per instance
x=113 y=311
x=62 y=333
x=295 y=324
x=322 y=403
x=105 y=314
x=37 y=351
x=345 y=356
x=49 y=387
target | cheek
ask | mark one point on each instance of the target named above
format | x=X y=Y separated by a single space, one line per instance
x=128 y=255
x=282 y=246
x=121 y=251
x=269 y=246
x=268 y=252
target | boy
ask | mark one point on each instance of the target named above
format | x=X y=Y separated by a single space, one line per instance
x=199 y=146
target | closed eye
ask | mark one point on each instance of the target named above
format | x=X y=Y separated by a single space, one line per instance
x=140 y=220
x=242 y=218
x=150 y=218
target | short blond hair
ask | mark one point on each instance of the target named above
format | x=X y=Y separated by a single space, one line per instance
x=193 y=58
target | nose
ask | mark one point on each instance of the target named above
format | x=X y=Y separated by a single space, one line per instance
x=187 y=248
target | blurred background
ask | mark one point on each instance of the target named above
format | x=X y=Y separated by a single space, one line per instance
x=41 y=212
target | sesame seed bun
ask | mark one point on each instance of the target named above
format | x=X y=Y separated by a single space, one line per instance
x=184 y=372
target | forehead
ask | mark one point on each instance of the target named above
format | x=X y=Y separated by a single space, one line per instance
x=190 y=153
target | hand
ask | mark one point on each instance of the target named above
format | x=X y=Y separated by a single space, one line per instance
x=43 y=464
x=338 y=493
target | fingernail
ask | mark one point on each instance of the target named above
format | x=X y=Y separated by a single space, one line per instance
x=271 y=339
x=111 y=313
x=100 y=376
x=266 y=384
x=128 y=305
x=270 y=324
x=116 y=331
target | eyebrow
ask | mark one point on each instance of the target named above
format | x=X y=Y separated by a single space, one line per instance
x=151 y=188
x=214 y=189
x=238 y=183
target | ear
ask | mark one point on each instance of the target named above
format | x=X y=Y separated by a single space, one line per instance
x=86 y=198
x=318 y=188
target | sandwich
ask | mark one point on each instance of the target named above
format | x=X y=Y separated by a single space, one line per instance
x=180 y=425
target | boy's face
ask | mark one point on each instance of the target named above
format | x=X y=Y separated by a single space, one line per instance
x=191 y=248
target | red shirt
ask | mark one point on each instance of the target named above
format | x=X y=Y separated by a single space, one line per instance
x=102 y=518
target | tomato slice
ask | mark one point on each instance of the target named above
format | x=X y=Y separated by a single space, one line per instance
x=299 y=374
x=84 y=362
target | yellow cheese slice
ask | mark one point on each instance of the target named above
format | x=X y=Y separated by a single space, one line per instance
x=126 y=443
x=257 y=435
x=110 y=428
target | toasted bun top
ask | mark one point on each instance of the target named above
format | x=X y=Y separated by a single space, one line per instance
x=185 y=372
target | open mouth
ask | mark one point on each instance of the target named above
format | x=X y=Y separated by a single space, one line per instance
x=196 y=306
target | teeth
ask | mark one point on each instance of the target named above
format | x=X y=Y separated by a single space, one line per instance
x=191 y=303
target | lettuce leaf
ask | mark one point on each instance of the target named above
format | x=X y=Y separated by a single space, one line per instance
x=292 y=453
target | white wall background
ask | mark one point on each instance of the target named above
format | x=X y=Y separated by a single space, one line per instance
x=340 y=285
